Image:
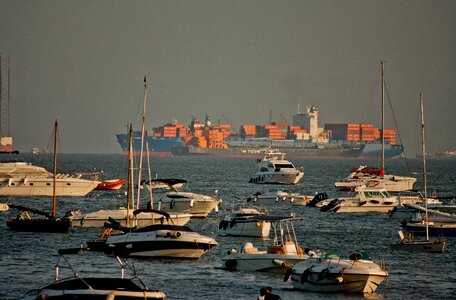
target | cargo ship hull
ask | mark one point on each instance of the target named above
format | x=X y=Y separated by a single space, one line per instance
x=374 y=150
x=157 y=146
x=259 y=153
x=170 y=146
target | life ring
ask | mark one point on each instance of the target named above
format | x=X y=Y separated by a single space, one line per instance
x=280 y=250
x=300 y=252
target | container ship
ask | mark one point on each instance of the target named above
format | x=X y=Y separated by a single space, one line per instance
x=303 y=139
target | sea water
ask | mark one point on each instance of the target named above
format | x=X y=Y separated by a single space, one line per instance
x=27 y=260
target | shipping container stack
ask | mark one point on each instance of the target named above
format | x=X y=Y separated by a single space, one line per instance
x=248 y=131
x=367 y=132
x=296 y=133
x=353 y=132
x=226 y=130
x=390 y=136
x=215 y=138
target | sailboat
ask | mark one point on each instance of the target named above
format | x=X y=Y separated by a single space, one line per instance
x=407 y=241
x=374 y=176
x=50 y=222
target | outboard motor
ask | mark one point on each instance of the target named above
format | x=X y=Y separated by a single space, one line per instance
x=318 y=197
x=331 y=205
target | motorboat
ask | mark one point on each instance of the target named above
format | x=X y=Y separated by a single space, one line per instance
x=159 y=241
x=173 y=196
x=22 y=179
x=330 y=273
x=282 y=254
x=125 y=217
x=110 y=184
x=275 y=169
x=90 y=287
x=247 y=222
x=366 y=199
x=369 y=175
x=279 y=197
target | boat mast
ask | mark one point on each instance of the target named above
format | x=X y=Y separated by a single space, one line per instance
x=143 y=129
x=54 y=198
x=383 y=117
x=423 y=149
x=129 y=177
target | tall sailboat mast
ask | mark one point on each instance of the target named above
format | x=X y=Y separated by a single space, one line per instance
x=383 y=117
x=54 y=198
x=130 y=168
x=141 y=152
x=423 y=148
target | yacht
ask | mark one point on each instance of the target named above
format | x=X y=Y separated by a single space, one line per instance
x=173 y=196
x=366 y=199
x=279 y=197
x=274 y=169
x=330 y=273
x=26 y=180
x=158 y=241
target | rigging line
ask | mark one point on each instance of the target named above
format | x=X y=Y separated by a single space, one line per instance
x=397 y=128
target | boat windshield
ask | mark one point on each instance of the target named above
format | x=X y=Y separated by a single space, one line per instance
x=374 y=194
x=284 y=166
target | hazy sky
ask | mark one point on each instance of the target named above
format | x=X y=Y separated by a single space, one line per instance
x=83 y=63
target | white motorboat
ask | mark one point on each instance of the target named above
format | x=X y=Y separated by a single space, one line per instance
x=359 y=274
x=172 y=196
x=26 y=180
x=247 y=222
x=164 y=241
x=84 y=287
x=278 y=257
x=100 y=217
x=279 y=197
x=274 y=169
x=366 y=199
